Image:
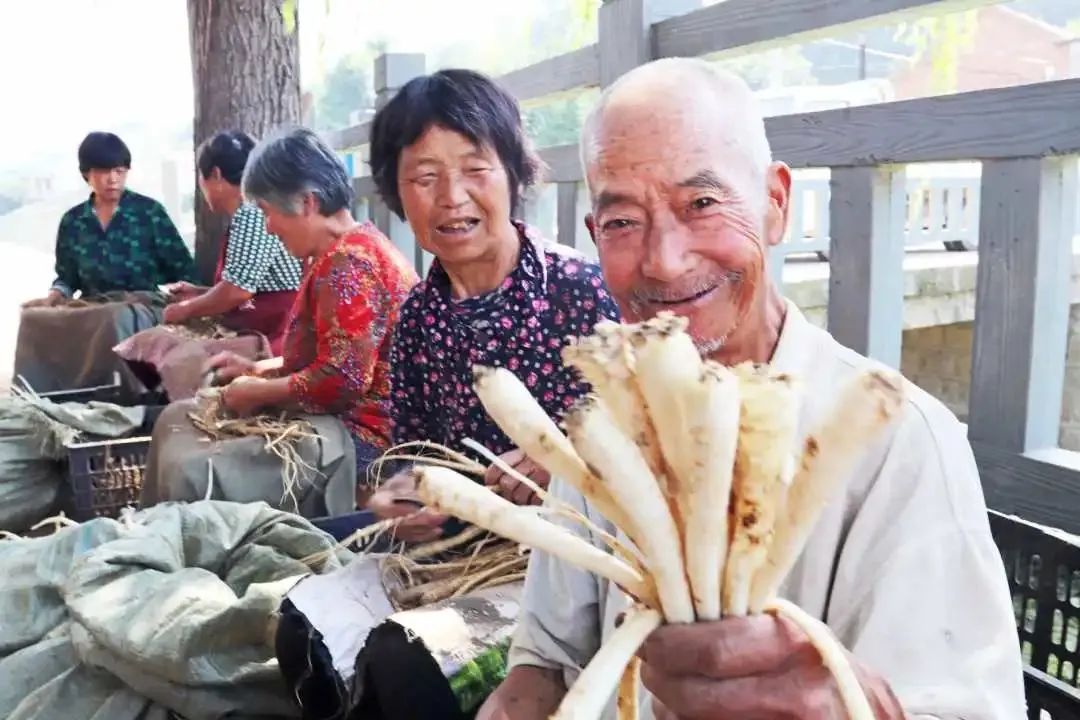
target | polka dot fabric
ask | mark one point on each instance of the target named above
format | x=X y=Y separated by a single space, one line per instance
x=255 y=260
x=553 y=294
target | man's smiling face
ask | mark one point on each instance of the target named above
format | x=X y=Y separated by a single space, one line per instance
x=682 y=210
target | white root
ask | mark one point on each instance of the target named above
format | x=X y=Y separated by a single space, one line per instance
x=833 y=657
x=451 y=492
x=606 y=360
x=562 y=509
x=768 y=419
x=865 y=408
x=627 y=706
x=618 y=461
x=520 y=417
x=694 y=407
x=593 y=689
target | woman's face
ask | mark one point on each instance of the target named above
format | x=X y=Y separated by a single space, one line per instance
x=211 y=188
x=294 y=230
x=107 y=184
x=456 y=195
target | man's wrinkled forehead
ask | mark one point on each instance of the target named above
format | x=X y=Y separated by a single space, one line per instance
x=664 y=146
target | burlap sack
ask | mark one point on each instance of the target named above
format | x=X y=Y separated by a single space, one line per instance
x=183 y=464
x=178 y=359
x=71 y=347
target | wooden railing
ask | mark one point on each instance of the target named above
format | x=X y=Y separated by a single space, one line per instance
x=1025 y=137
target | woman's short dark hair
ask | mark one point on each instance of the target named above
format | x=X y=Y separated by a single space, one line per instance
x=102 y=151
x=285 y=167
x=464 y=101
x=227 y=151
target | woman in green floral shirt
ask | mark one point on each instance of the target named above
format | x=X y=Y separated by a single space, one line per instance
x=118 y=240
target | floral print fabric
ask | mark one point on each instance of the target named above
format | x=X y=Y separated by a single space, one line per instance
x=337 y=342
x=553 y=294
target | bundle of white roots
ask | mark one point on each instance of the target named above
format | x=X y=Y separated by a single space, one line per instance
x=699 y=466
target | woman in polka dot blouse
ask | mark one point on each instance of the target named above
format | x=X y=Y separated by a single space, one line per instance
x=256 y=278
x=449 y=155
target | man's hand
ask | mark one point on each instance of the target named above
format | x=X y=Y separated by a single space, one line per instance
x=753 y=667
x=229 y=366
x=244 y=396
x=396 y=498
x=514 y=490
x=54 y=298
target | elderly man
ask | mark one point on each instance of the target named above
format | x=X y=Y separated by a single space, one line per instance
x=902 y=567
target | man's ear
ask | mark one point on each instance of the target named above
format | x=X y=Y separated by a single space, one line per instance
x=590 y=225
x=777 y=202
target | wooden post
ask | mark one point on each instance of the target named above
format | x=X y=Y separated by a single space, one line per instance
x=567 y=214
x=392 y=71
x=625 y=37
x=866 y=260
x=1028 y=211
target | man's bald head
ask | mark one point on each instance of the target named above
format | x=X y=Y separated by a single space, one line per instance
x=683 y=92
x=686 y=202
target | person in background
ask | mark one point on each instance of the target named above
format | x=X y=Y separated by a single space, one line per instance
x=118 y=240
x=336 y=349
x=449 y=155
x=256 y=278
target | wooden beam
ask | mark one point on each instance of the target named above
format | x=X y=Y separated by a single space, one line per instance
x=1022 y=301
x=1042 y=490
x=569 y=71
x=740 y=27
x=567 y=213
x=625 y=38
x=563 y=164
x=1026 y=121
x=364 y=186
x=866 y=268
x=350 y=137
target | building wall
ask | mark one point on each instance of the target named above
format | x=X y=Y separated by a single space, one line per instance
x=938 y=359
x=1008 y=49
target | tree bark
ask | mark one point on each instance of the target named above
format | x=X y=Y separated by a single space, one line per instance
x=246 y=71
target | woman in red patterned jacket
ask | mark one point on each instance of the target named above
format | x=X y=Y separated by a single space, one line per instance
x=336 y=350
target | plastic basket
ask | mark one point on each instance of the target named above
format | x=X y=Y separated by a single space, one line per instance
x=106 y=476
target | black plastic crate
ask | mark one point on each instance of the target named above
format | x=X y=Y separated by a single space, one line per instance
x=101 y=393
x=106 y=476
x=1043 y=570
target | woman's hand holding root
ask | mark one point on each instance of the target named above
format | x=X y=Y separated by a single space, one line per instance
x=510 y=487
x=396 y=499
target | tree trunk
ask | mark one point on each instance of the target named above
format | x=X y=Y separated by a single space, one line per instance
x=246 y=70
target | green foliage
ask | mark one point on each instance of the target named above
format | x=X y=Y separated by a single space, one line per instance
x=557 y=123
x=943 y=39
x=346 y=89
x=288 y=15
x=783 y=67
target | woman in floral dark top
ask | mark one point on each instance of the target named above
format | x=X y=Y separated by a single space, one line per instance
x=449 y=155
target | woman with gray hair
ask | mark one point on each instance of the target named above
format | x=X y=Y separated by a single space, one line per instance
x=336 y=349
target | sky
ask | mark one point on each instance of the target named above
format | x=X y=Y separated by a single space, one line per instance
x=78 y=65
